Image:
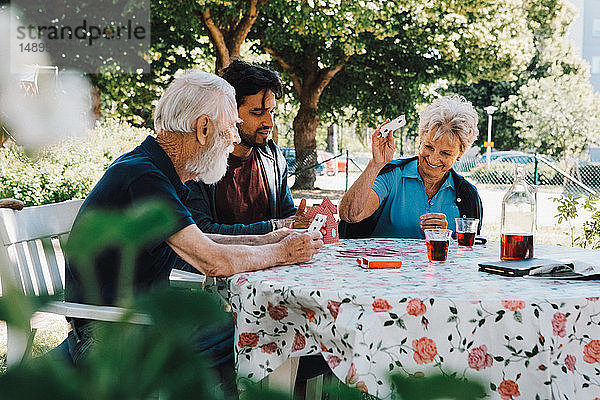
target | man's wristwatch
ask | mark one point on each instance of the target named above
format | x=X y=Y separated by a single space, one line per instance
x=275 y=224
x=282 y=223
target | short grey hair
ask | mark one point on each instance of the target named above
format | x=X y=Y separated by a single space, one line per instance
x=191 y=95
x=452 y=116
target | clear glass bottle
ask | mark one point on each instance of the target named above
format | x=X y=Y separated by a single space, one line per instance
x=518 y=219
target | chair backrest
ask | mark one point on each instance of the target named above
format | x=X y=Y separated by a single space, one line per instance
x=32 y=241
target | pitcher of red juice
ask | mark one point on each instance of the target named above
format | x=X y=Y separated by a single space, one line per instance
x=518 y=219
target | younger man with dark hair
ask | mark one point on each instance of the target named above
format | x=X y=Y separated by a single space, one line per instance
x=253 y=197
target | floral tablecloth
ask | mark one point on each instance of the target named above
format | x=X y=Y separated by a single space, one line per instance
x=525 y=338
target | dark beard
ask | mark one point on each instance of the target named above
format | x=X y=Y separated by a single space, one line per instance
x=246 y=141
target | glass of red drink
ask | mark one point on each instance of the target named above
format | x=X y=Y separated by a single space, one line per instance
x=437 y=241
x=466 y=229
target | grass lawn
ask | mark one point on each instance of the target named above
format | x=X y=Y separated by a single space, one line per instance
x=52 y=330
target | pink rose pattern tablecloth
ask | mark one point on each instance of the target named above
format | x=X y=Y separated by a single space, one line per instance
x=524 y=338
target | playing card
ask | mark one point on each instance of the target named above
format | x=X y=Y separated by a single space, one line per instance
x=317 y=223
x=392 y=126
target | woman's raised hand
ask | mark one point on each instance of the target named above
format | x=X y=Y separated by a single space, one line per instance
x=383 y=147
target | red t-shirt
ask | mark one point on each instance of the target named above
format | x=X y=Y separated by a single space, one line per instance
x=241 y=195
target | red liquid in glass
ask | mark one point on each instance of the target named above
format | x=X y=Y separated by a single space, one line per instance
x=465 y=238
x=437 y=250
x=516 y=247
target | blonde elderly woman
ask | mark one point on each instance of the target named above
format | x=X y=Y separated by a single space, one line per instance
x=403 y=197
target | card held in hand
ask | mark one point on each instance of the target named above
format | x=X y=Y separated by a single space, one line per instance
x=317 y=222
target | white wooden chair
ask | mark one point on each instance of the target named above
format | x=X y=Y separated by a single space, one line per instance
x=31 y=259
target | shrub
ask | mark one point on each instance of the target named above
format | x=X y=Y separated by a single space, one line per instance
x=568 y=211
x=68 y=170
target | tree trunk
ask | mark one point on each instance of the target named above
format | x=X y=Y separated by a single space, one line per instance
x=305 y=130
x=221 y=63
x=3 y=135
x=96 y=103
x=309 y=90
x=228 y=40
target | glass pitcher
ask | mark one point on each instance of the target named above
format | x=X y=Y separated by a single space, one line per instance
x=518 y=219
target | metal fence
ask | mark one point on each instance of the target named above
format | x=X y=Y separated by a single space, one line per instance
x=326 y=164
x=580 y=177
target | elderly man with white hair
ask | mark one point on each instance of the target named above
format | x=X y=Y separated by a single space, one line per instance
x=403 y=197
x=195 y=124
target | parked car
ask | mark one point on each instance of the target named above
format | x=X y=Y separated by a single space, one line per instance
x=516 y=157
x=320 y=168
x=332 y=165
x=290 y=156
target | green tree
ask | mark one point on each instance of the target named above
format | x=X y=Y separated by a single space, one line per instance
x=556 y=115
x=227 y=24
x=485 y=93
x=548 y=21
x=378 y=56
x=177 y=43
x=185 y=34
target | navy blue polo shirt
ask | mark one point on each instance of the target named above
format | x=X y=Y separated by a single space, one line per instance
x=142 y=174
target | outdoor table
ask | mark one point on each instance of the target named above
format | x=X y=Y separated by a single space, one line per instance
x=524 y=338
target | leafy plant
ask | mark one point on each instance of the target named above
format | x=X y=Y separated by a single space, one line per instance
x=129 y=361
x=436 y=387
x=568 y=210
x=591 y=227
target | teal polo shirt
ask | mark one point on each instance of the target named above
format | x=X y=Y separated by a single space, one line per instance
x=403 y=192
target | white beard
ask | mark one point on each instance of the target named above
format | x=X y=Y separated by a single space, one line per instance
x=210 y=165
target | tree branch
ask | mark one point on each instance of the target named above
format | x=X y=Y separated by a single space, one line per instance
x=215 y=35
x=313 y=74
x=327 y=74
x=287 y=67
x=243 y=28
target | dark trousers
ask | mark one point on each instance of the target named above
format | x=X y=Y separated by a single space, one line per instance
x=215 y=342
x=81 y=340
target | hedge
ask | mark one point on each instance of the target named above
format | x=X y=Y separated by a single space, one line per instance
x=67 y=170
